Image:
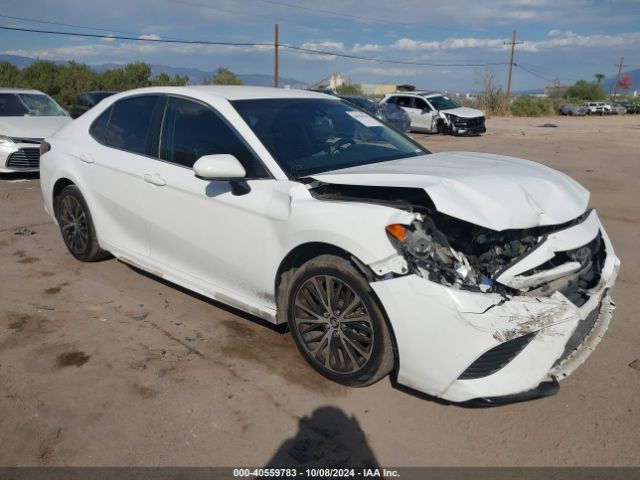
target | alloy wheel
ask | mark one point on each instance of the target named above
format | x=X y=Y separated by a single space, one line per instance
x=333 y=324
x=74 y=224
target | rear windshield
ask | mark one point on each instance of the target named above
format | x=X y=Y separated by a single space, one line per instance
x=28 y=104
x=307 y=136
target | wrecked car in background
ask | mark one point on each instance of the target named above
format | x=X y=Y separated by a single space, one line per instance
x=434 y=112
x=471 y=276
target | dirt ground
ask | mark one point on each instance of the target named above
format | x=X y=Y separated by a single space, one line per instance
x=103 y=365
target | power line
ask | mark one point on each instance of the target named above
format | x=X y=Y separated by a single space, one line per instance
x=252 y=44
x=138 y=39
x=531 y=72
x=66 y=24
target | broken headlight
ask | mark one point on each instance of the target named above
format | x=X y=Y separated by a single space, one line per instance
x=430 y=255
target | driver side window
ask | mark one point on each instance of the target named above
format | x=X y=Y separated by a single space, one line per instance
x=191 y=130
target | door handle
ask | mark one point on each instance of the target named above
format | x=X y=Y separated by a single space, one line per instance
x=87 y=158
x=154 y=179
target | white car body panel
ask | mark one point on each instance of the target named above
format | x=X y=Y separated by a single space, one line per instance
x=464 y=112
x=197 y=234
x=493 y=191
x=31 y=126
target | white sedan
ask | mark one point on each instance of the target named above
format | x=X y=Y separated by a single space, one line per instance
x=467 y=275
x=26 y=117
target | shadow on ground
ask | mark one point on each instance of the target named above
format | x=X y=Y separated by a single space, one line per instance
x=326 y=439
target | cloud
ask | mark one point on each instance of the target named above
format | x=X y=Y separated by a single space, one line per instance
x=324 y=46
x=367 y=47
x=448 y=44
x=149 y=36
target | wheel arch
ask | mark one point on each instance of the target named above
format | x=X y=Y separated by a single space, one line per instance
x=303 y=253
x=58 y=186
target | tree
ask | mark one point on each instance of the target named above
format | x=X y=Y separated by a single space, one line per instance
x=491 y=97
x=223 y=76
x=164 y=80
x=349 y=89
x=586 y=91
x=599 y=77
x=8 y=74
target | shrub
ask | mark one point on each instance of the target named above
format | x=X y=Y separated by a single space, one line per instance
x=532 y=107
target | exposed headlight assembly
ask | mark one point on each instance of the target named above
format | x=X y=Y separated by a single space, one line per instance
x=430 y=255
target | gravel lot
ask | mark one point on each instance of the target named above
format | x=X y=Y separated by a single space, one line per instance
x=104 y=365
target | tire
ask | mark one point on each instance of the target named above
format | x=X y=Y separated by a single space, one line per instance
x=353 y=346
x=76 y=226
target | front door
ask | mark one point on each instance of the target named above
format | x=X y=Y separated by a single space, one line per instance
x=198 y=229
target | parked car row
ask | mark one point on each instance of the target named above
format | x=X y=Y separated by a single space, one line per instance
x=600 y=108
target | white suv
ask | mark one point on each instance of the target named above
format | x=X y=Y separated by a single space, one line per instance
x=26 y=117
x=434 y=112
x=597 y=108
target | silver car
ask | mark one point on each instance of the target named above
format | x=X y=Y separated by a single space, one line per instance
x=570 y=109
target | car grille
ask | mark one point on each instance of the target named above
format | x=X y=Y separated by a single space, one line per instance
x=582 y=330
x=470 y=122
x=24 y=158
x=496 y=358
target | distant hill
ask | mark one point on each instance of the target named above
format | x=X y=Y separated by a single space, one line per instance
x=196 y=76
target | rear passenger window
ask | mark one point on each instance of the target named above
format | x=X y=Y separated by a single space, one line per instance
x=191 y=130
x=404 y=102
x=98 y=129
x=129 y=124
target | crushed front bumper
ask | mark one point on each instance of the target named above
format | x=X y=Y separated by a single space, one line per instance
x=441 y=331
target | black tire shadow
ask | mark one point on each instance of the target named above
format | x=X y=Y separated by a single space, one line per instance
x=326 y=439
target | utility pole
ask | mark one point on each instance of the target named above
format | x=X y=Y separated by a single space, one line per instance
x=620 y=66
x=513 y=44
x=276 y=79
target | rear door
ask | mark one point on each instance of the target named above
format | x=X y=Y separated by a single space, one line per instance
x=113 y=165
x=198 y=229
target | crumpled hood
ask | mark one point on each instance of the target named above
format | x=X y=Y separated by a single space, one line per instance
x=31 y=127
x=493 y=191
x=464 y=112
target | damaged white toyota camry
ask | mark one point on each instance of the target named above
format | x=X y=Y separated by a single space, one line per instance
x=474 y=276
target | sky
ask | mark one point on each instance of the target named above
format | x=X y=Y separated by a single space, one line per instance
x=462 y=40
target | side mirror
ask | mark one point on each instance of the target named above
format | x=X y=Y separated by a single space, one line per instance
x=219 y=167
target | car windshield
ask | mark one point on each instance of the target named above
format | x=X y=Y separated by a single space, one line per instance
x=28 y=104
x=362 y=103
x=307 y=136
x=442 y=103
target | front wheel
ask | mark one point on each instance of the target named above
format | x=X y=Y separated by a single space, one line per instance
x=337 y=324
x=76 y=226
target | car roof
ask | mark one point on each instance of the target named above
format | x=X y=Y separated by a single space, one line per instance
x=233 y=92
x=20 y=90
x=419 y=93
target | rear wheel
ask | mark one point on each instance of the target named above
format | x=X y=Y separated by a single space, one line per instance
x=76 y=226
x=337 y=324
